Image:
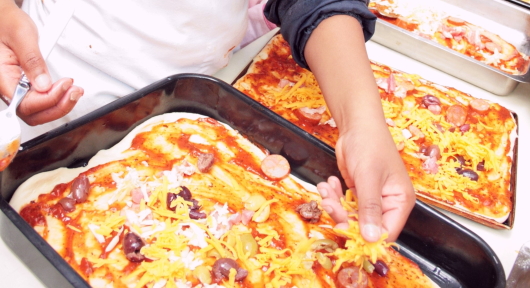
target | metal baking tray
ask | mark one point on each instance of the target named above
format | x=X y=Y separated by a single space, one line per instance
x=521 y=3
x=447 y=252
x=497 y=16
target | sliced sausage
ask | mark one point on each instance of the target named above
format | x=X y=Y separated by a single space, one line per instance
x=309 y=116
x=275 y=167
x=205 y=162
x=455 y=21
x=479 y=105
x=456 y=115
x=309 y=211
x=352 y=277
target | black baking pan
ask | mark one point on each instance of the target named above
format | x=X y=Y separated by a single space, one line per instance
x=447 y=252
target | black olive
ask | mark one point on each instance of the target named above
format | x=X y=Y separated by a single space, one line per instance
x=381 y=268
x=433 y=151
x=132 y=243
x=169 y=198
x=195 y=214
x=469 y=174
x=185 y=193
x=430 y=100
x=80 y=188
x=480 y=166
x=221 y=269
x=68 y=204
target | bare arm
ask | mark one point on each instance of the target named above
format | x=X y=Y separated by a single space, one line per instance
x=366 y=154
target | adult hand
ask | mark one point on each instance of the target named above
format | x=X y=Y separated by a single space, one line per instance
x=374 y=171
x=19 y=51
x=367 y=156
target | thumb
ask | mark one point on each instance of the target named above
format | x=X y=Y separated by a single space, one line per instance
x=26 y=48
x=370 y=209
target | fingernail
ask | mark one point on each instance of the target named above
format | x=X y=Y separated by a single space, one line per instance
x=75 y=95
x=328 y=209
x=43 y=81
x=323 y=192
x=371 y=232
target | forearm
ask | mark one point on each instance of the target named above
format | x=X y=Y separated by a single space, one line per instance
x=337 y=56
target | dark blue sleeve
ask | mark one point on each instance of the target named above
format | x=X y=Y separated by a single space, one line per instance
x=298 y=18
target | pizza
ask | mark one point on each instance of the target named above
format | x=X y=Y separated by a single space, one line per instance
x=186 y=201
x=458 y=150
x=454 y=33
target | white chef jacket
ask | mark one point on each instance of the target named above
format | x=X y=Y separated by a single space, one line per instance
x=113 y=47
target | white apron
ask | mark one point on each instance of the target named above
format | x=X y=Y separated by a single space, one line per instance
x=113 y=47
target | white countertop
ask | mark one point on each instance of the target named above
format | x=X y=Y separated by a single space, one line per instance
x=505 y=243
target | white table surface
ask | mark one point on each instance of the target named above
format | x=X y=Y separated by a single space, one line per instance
x=505 y=243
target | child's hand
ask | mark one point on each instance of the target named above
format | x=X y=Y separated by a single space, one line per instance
x=373 y=170
x=19 y=51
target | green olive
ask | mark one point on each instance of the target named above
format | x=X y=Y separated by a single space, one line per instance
x=254 y=202
x=324 y=244
x=231 y=240
x=214 y=253
x=202 y=273
x=324 y=260
x=368 y=267
x=249 y=244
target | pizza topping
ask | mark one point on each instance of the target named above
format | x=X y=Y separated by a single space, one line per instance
x=275 y=167
x=480 y=166
x=68 y=204
x=326 y=245
x=222 y=269
x=205 y=162
x=455 y=21
x=428 y=100
x=430 y=165
x=352 y=277
x=132 y=244
x=435 y=109
x=80 y=188
x=311 y=116
x=479 y=105
x=254 y=202
x=416 y=132
x=309 y=211
x=465 y=128
x=381 y=268
x=469 y=174
x=456 y=115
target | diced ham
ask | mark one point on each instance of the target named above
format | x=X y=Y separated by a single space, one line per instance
x=435 y=109
x=430 y=166
x=382 y=83
x=137 y=195
x=391 y=83
x=235 y=219
x=246 y=216
x=285 y=82
x=390 y=122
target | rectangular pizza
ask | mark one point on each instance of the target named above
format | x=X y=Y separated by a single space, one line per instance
x=434 y=22
x=186 y=201
x=458 y=149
